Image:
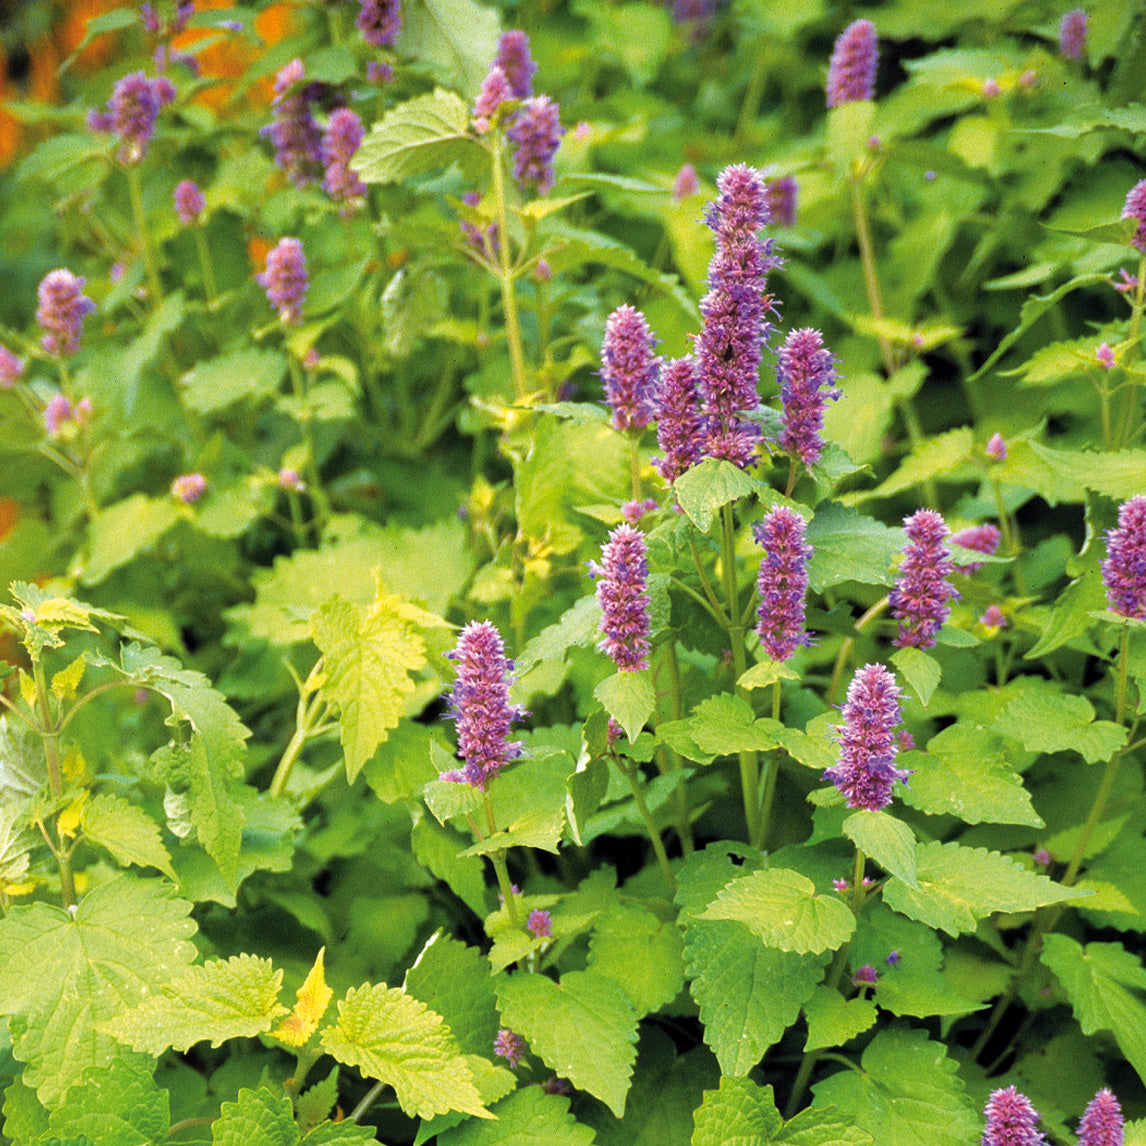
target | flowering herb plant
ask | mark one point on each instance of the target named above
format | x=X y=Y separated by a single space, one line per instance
x=576 y=583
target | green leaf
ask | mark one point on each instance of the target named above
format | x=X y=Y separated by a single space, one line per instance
x=426 y=133
x=63 y=976
x=765 y=673
x=534 y=828
x=336 y=1132
x=368 y=656
x=456 y=981
x=628 y=698
x=637 y=35
x=930 y=459
x=739 y=1112
x=118 y=1103
x=748 y=994
x=126 y=830
x=702 y=490
x=1103 y=982
x=888 y=841
x=579 y=625
x=459 y=37
x=848 y=131
x=1071 y=615
x=223 y=999
x=833 y=1020
x=25 y=1119
x=965 y=773
x=641 y=952
x=528 y=1117
x=1056 y=722
x=958 y=886
x=256 y=1118
x=919 y=670
x=813 y=1127
x=246 y=375
x=396 y=1039
x=123 y=530
x=724 y=725
x=847 y=546
x=447 y=798
x=908 y=1093
x=782 y=908
x=583 y=1027
x=315 y=1103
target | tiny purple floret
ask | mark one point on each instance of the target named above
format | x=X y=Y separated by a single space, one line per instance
x=509 y=1046
x=1104 y=355
x=996 y=448
x=11 y=368
x=539 y=925
x=189 y=488
x=686 y=184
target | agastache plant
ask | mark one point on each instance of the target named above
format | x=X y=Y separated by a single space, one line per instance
x=806 y=372
x=922 y=592
x=132 y=111
x=1102 y=1123
x=380 y=21
x=296 y=137
x=285 y=279
x=536 y=134
x=680 y=424
x=344 y=133
x=516 y=63
x=62 y=310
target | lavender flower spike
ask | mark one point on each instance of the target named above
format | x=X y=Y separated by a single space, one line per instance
x=509 y=1045
x=1124 y=570
x=189 y=203
x=919 y=599
x=806 y=371
x=380 y=21
x=1010 y=1120
x=983 y=538
x=624 y=599
x=537 y=133
x=629 y=369
x=680 y=423
x=851 y=71
x=296 y=137
x=480 y=704
x=1102 y=1123
x=63 y=307
x=285 y=279
x=1135 y=208
x=495 y=91
x=11 y=368
x=516 y=63
x=132 y=111
x=782 y=195
x=782 y=582
x=866 y=771
x=1072 y=34
x=344 y=134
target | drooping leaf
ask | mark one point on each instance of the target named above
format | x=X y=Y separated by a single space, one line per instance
x=123 y=530
x=527 y=1117
x=935 y=457
x=1046 y=722
x=126 y=830
x=628 y=698
x=833 y=1020
x=890 y=842
x=702 y=490
x=919 y=670
x=459 y=37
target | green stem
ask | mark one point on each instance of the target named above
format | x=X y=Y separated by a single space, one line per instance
x=714 y=604
x=771 y=773
x=750 y=104
x=870 y=272
x=135 y=189
x=849 y=644
x=635 y=463
x=501 y=869
x=506 y=275
x=207 y=265
x=300 y=387
x=310 y=707
x=1130 y=405
x=676 y=710
x=51 y=734
x=630 y=772
x=368 y=1100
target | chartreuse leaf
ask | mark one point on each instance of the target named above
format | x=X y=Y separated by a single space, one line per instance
x=959 y=886
x=702 y=490
x=584 y=1028
x=457 y=37
x=1057 y=722
x=396 y=1039
x=455 y=981
x=628 y=698
x=25 y=1119
x=813 y=1127
x=965 y=773
x=849 y=546
x=61 y=977
x=246 y=374
x=890 y=842
x=641 y=952
x=125 y=529
x=782 y=908
x=117 y=1103
x=313 y=998
x=528 y=1117
x=1103 y=982
x=338 y=1132
x=256 y=1118
x=764 y=673
x=126 y=830
x=832 y=1019
x=222 y=999
x=368 y=655
x=315 y=1103
x=748 y=994
x=932 y=458
x=919 y=670
x=739 y=1111
x=907 y=1093
x=724 y=725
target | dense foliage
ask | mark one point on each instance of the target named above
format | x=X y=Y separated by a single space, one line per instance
x=577 y=586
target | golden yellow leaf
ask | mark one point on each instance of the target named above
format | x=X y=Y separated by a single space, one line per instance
x=313 y=999
x=66 y=681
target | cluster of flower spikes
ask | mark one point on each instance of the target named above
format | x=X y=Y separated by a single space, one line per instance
x=805 y=371
x=1072 y=34
x=1135 y=209
x=479 y=703
x=629 y=369
x=62 y=310
x=622 y=592
x=1012 y=1121
x=285 y=279
x=865 y=772
x=851 y=70
x=1124 y=570
x=132 y=111
x=380 y=21
x=922 y=592
x=731 y=340
x=295 y=136
x=343 y=136
x=782 y=582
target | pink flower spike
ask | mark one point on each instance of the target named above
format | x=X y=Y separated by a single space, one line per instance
x=380 y=21
x=866 y=975
x=11 y=368
x=1105 y=356
x=495 y=91
x=997 y=448
x=1124 y=570
x=1135 y=208
x=63 y=307
x=629 y=368
x=509 y=1046
x=539 y=924
x=1072 y=34
x=1010 y=1120
x=983 y=538
x=806 y=371
x=851 y=72
x=680 y=422
x=920 y=596
x=57 y=413
x=623 y=596
x=189 y=488
x=782 y=583
x=189 y=203
x=1102 y=1124
x=516 y=63
x=536 y=134
x=990 y=88
x=285 y=280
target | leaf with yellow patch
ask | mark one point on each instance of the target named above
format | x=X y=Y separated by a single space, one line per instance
x=313 y=999
x=66 y=681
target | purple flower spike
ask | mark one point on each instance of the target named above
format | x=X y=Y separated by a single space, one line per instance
x=344 y=133
x=537 y=133
x=539 y=924
x=189 y=488
x=1102 y=1123
x=1072 y=34
x=1124 y=570
x=866 y=770
x=11 y=368
x=1135 y=208
x=983 y=538
x=919 y=599
x=380 y=21
x=516 y=63
x=629 y=369
x=495 y=91
x=782 y=582
x=57 y=412
x=851 y=72
x=996 y=448
x=686 y=184
x=805 y=371
x=509 y=1046
x=730 y=342
x=285 y=280
x=781 y=195
x=1010 y=1120
x=132 y=111
x=296 y=137
x=865 y=976
x=680 y=425
x=63 y=307
x=480 y=704
x=994 y=618
x=189 y=203
x=624 y=599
